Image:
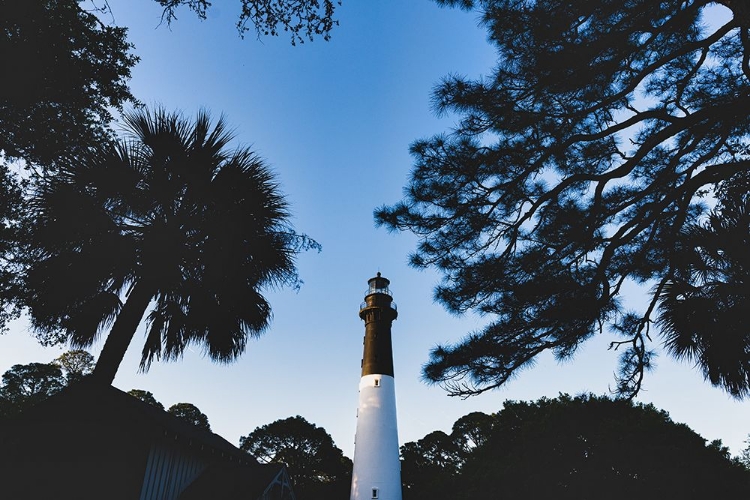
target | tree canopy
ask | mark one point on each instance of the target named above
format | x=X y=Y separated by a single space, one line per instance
x=744 y=456
x=75 y=365
x=68 y=71
x=582 y=164
x=430 y=467
x=190 y=413
x=26 y=385
x=147 y=397
x=168 y=216
x=11 y=212
x=433 y=466
x=65 y=72
x=302 y=19
x=582 y=447
x=318 y=467
x=185 y=411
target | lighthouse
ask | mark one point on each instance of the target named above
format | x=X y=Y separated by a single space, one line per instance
x=377 y=470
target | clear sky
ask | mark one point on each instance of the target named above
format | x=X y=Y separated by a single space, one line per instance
x=335 y=120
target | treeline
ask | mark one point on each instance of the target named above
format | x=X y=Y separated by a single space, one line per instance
x=583 y=447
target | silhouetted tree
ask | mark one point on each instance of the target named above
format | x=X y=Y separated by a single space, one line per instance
x=433 y=466
x=27 y=385
x=186 y=411
x=75 y=365
x=147 y=397
x=69 y=71
x=591 y=447
x=65 y=72
x=11 y=270
x=472 y=430
x=430 y=467
x=302 y=19
x=574 y=169
x=744 y=456
x=703 y=307
x=317 y=466
x=170 y=217
x=190 y=413
x=585 y=447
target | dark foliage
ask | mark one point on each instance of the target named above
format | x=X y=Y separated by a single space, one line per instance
x=582 y=448
x=147 y=397
x=11 y=270
x=63 y=73
x=168 y=219
x=577 y=168
x=185 y=411
x=75 y=365
x=703 y=307
x=744 y=456
x=27 y=385
x=318 y=467
x=433 y=466
x=430 y=467
x=472 y=430
x=190 y=413
x=302 y=19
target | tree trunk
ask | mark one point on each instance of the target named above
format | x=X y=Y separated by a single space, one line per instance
x=122 y=333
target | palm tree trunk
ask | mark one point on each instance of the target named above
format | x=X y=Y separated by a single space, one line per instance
x=122 y=332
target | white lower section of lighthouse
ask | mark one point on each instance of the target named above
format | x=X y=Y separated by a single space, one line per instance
x=377 y=470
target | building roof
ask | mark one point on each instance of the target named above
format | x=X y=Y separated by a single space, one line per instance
x=86 y=402
x=108 y=435
x=232 y=481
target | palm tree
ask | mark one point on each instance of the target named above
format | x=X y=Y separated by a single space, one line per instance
x=704 y=308
x=168 y=219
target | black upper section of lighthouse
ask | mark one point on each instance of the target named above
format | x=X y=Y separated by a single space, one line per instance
x=378 y=311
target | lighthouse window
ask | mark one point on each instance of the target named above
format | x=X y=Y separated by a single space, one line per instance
x=374 y=493
x=377 y=384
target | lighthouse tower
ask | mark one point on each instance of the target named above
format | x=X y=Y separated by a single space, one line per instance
x=377 y=470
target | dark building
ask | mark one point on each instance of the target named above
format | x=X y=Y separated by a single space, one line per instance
x=91 y=442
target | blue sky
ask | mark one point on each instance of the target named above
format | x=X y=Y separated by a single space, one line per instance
x=335 y=120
